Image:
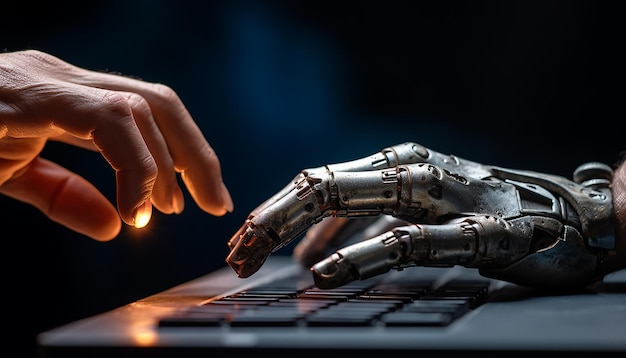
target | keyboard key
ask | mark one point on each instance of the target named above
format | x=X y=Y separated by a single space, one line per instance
x=406 y=319
x=295 y=301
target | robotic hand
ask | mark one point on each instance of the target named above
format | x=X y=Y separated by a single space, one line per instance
x=523 y=227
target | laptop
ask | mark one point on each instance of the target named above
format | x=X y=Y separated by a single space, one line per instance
x=421 y=310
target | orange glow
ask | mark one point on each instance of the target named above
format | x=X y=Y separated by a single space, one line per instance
x=145 y=338
x=142 y=219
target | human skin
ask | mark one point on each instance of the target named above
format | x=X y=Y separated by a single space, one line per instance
x=142 y=129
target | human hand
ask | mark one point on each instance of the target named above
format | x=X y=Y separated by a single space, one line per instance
x=142 y=129
x=431 y=209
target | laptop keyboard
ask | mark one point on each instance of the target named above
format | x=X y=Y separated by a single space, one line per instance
x=402 y=299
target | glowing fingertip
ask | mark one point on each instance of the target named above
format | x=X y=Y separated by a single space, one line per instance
x=142 y=221
x=143 y=215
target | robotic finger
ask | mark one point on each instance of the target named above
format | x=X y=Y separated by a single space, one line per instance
x=526 y=251
x=306 y=200
x=335 y=232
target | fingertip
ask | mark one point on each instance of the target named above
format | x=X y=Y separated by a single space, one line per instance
x=178 y=201
x=211 y=195
x=108 y=233
x=221 y=211
x=227 y=200
x=226 y=206
x=142 y=214
x=102 y=224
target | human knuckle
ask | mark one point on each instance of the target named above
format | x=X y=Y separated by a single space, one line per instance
x=116 y=103
x=165 y=92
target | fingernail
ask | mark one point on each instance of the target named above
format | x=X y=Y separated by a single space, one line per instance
x=178 y=201
x=143 y=213
x=228 y=201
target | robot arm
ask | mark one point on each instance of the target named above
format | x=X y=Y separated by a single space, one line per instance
x=524 y=227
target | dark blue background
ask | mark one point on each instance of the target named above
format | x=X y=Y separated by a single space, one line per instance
x=280 y=86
